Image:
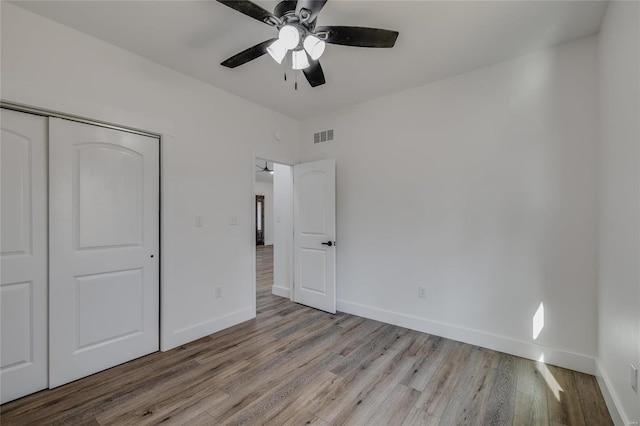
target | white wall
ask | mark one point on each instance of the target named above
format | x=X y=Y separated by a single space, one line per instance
x=283 y=236
x=481 y=188
x=619 y=224
x=208 y=154
x=266 y=189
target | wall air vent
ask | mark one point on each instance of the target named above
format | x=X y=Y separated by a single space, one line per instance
x=323 y=136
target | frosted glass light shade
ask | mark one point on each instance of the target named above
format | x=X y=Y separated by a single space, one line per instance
x=299 y=60
x=314 y=46
x=277 y=51
x=289 y=36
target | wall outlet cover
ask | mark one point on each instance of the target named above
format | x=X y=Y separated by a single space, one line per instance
x=422 y=292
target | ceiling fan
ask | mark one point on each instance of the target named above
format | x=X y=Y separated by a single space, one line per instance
x=297 y=32
x=264 y=169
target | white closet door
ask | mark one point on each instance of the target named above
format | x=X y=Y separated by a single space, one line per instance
x=23 y=255
x=104 y=247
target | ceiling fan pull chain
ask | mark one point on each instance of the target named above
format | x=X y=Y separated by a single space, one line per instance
x=284 y=69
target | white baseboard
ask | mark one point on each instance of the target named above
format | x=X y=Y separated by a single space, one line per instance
x=268 y=243
x=280 y=291
x=194 y=332
x=610 y=397
x=565 y=359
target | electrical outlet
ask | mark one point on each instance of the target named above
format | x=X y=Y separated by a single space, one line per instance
x=422 y=292
x=634 y=378
x=218 y=293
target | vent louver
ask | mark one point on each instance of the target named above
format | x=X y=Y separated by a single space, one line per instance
x=323 y=136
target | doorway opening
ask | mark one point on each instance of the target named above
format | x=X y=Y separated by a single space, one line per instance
x=260 y=220
x=273 y=223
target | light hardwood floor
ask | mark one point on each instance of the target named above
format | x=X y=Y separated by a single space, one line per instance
x=295 y=365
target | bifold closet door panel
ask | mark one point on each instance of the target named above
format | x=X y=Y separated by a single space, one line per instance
x=104 y=248
x=23 y=255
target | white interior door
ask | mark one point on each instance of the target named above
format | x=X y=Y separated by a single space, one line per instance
x=104 y=247
x=314 y=226
x=23 y=255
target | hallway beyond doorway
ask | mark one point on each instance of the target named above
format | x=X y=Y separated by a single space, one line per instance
x=264 y=271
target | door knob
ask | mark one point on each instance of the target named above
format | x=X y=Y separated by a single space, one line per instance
x=328 y=243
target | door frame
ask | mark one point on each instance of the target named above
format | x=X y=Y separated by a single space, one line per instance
x=162 y=199
x=252 y=225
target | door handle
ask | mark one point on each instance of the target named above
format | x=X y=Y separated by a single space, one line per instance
x=328 y=243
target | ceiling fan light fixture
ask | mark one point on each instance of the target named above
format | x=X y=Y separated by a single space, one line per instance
x=289 y=36
x=277 y=51
x=299 y=60
x=314 y=47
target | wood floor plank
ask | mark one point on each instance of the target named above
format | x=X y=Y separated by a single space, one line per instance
x=593 y=405
x=203 y=419
x=302 y=418
x=531 y=396
x=270 y=404
x=468 y=400
x=200 y=391
x=71 y=397
x=501 y=401
x=396 y=406
x=359 y=335
x=306 y=351
x=350 y=322
x=377 y=345
x=427 y=361
x=419 y=417
x=422 y=344
x=530 y=379
x=356 y=383
x=364 y=405
x=291 y=412
x=294 y=365
x=530 y=410
x=436 y=395
x=121 y=396
x=563 y=400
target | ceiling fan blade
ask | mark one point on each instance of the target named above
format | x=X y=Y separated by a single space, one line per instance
x=307 y=10
x=248 y=55
x=253 y=10
x=314 y=74
x=357 y=36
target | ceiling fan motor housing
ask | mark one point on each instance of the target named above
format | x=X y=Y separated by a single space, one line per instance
x=286 y=11
x=284 y=7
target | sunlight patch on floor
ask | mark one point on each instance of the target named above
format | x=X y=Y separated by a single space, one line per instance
x=552 y=383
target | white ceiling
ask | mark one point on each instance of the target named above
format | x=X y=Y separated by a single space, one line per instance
x=438 y=39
